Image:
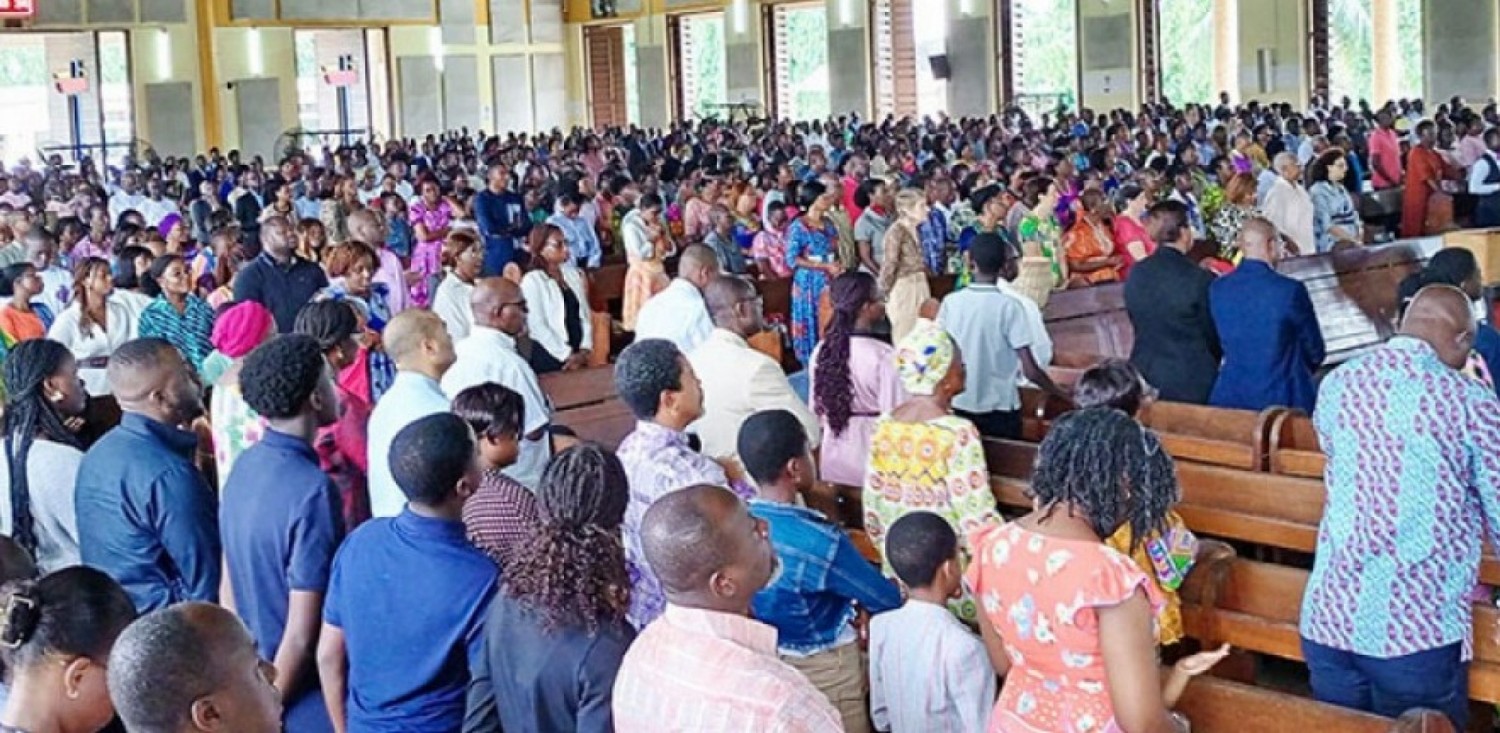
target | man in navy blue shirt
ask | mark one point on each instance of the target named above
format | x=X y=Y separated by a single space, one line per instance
x=404 y=618
x=277 y=278
x=500 y=214
x=145 y=514
x=279 y=520
x=825 y=585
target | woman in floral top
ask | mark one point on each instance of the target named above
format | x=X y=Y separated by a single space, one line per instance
x=1044 y=267
x=1066 y=618
x=431 y=215
x=923 y=457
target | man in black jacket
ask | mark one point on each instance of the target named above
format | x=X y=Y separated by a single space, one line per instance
x=1176 y=347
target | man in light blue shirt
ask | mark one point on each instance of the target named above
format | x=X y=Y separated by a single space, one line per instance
x=583 y=241
x=419 y=344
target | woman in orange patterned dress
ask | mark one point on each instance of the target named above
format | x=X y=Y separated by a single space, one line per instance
x=1092 y=255
x=925 y=458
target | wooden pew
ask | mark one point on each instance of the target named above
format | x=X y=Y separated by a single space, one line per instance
x=1216 y=705
x=1256 y=507
x=606 y=423
x=1294 y=446
x=1258 y=605
x=569 y=390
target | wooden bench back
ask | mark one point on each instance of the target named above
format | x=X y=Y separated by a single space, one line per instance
x=1258 y=605
x=1216 y=705
x=568 y=390
x=1295 y=450
x=1213 y=435
x=606 y=423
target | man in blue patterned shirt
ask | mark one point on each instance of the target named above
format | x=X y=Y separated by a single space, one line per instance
x=1413 y=481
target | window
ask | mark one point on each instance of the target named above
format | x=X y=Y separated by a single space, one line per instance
x=799 y=54
x=1351 y=50
x=1187 y=48
x=115 y=94
x=893 y=50
x=1044 y=43
x=701 y=79
x=40 y=120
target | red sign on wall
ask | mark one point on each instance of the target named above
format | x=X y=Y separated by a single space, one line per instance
x=17 y=9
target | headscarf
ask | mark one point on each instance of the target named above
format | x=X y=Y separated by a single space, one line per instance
x=924 y=357
x=167 y=222
x=240 y=328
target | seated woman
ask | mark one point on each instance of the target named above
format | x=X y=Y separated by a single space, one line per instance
x=56 y=634
x=94 y=324
x=20 y=318
x=925 y=458
x=853 y=380
x=463 y=258
x=1092 y=255
x=177 y=314
x=557 y=304
x=1067 y=619
x=1129 y=227
x=557 y=632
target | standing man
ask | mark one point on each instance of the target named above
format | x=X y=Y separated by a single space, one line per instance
x=1176 y=347
x=500 y=214
x=678 y=313
x=1385 y=153
x=419 y=343
x=278 y=278
x=1413 y=490
x=1484 y=181
x=145 y=514
x=1273 y=348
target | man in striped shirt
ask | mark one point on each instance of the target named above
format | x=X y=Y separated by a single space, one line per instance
x=705 y=666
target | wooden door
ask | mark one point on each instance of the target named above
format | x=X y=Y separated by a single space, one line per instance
x=605 y=48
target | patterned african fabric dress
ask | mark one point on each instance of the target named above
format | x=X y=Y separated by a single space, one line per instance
x=936 y=466
x=819 y=245
x=427 y=258
x=1043 y=264
x=1042 y=595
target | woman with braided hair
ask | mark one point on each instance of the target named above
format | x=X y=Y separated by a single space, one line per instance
x=57 y=633
x=557 y=632
x=41 y=456
x=1068 y=612
x=853 y=377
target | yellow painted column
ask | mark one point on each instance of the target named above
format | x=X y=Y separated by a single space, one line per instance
x=208 y=82
x=1386 y=52
x=1226 y=20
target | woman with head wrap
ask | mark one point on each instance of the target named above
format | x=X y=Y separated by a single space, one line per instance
x=174 y=233
x=923 y=457
x=239 y=329
x=853 y=377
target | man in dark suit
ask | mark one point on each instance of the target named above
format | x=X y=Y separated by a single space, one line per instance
x=1176 y=347
x=1269 y=331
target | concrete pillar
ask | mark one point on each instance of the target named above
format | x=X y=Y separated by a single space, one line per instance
x=1107 y=43
x=1273 y=51
x=653 y=80
x=973 y=87
x=743 y=51
x=1459 y=38
x=1226 y=20
x=1387 y=54
x=849 y=57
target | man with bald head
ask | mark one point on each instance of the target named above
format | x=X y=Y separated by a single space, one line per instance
x=368 y=227
x=1267 y=328
x=739 y=381
x=145 y=514
x=418 y=342
x=705 y=665
x=489 y=354
x=678 y=313
x=277 y=278
x=192 y=667
x=1413 y=484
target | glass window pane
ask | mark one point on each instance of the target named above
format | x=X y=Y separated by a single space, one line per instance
x=1045 y=49
x=1187 y=51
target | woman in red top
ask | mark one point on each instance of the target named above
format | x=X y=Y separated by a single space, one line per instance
x=342 y=446
x=1425 y=170
x=1133 y=242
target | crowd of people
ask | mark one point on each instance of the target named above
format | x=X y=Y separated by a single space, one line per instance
x=336 y=496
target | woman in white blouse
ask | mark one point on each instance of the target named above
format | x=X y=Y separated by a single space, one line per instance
x=463 y=258
x=557 y=304
x=94 y=324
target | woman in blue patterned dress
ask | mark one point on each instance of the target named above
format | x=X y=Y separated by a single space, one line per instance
x=812 y=252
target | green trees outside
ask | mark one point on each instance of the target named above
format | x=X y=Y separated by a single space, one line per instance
x=1187 y=51
x=1046 y=44
x=806 y=43
x=1350 y=49
x=710 y=81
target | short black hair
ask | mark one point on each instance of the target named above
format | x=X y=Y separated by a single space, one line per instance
x=767 y=440
x=430 y=456
x=10 y=274
x=157 y=667
x=990 y=252
x=917 y=545
x=644 y=371
x=491 y=410
x=330 y=322
x=280 y=375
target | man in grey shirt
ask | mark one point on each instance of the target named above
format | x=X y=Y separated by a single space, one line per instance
x=876 y=198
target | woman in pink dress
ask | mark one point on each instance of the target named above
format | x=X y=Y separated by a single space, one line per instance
x=1066 y=618
x=853 y=379
x=430 y=215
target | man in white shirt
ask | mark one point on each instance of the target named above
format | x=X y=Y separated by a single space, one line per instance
x=127 y=198
x=678 y=313
x=991 y=330
x=417 y=341
x=1289 y=206
x=738 y=381
x=1484 y=181
x=488 y=354
x=154 y=208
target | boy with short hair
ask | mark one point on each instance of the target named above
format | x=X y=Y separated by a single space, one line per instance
x=404 y=618
x=824 y=583
x=922 y=659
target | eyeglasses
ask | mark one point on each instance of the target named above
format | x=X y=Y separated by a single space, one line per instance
x=518 y=304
